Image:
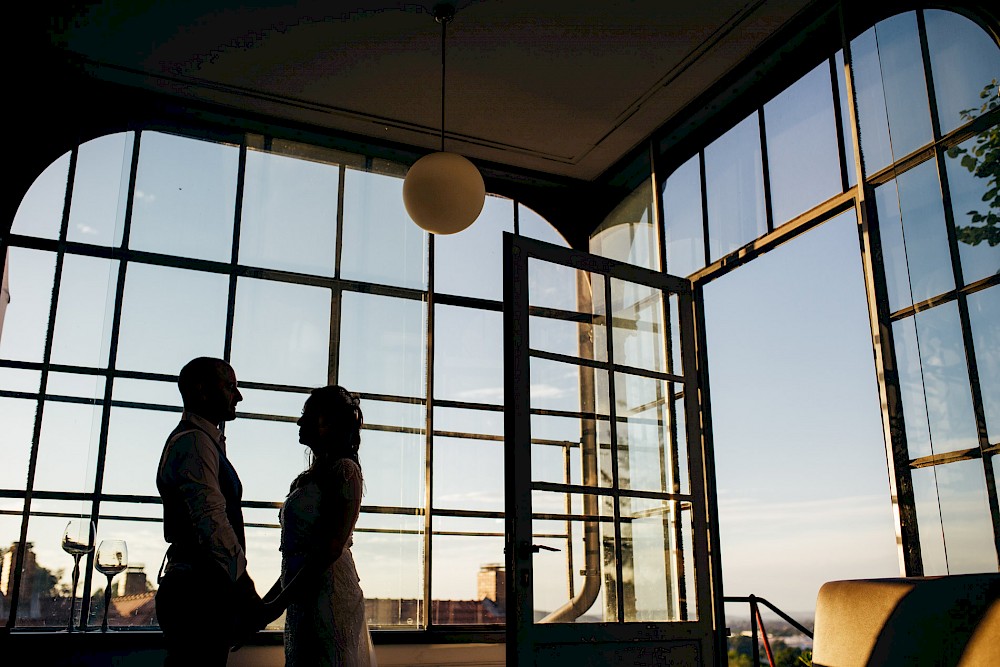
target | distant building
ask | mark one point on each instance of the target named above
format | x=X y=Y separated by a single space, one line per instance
x=131 y=582
x=31 y=597
x=489 y=607
x=492 y=585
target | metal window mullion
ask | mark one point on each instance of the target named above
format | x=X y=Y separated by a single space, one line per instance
x=429 y=438
x=701 y=458
x=838 y=119
x=43 y=382
x=517 y=468
x=235 y=253
x=102 y=444
x=704 y=207
x=765 y=173
x=613 y=430
x=887 y=376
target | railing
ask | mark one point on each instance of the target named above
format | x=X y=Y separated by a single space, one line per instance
x=756 y=622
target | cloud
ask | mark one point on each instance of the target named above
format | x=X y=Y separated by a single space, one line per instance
x=86 y=229
x=142 y=196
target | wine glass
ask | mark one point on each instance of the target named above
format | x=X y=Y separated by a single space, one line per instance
x=77 y=540
x=112 y=558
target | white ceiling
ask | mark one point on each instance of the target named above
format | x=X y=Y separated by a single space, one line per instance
x=564 y=88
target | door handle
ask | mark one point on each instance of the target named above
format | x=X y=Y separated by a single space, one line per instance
x=528 y=549
x=535 y=548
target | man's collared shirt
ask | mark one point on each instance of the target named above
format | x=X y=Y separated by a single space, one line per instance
x=189 y=473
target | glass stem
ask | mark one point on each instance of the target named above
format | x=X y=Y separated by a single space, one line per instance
x=72 y=603
x=107 y=603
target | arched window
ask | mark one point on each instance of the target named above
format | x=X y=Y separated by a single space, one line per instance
x=919 y=96
x=140 y=250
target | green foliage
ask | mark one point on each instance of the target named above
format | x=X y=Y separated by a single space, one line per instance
x=983 y=161
x=741 y=653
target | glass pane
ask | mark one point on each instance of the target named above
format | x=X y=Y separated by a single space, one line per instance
x=684 y=230
x=562 y=446
x=20 y=379
x=468 y=578
x=26 y=320
x=563 y=287
x=468 y=355
x=267 y=455
x=75 y=384
x=793 y=385
x=975 y=204
x=18 y=418
x=135 y=442
x=911 y=388
x=469 y=421
x=468 y=474
x=281 y=333
x=645 y=458
x=845 y=120
x=929 y=522
x=157 y=308
x=628 y=233
x=381 y=243
x=984 y=317
x=470 y=263
x=100 y=188
x=85 y=311
x=132 y=591
x=637 y=322
x=185 y=197
x=567 y=387
x=389 y=552
x=67 y=449
x=802 y=159
x=48 y=570
x=965 y=512
x=676 y=359
x=943 y=376
x=914 y=237
x=386 y=413
x=891 y=91
x=734 y=182
x=570 y=335
x=580 y=567
x=278 y=403
x=965 y=62
x=382 y=343
x=394 y=468
x=41 y=210
x=148 y=391
x=654 y=542
x=534 y=226
x=289 y=216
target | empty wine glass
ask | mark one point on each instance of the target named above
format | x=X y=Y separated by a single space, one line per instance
x=77 y=540
x=112 y=558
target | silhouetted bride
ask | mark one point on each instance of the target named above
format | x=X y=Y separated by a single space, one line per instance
x=325 y=620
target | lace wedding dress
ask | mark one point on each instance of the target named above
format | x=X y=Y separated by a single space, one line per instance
x=328 y=628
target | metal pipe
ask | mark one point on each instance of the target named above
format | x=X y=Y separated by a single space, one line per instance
x=587 y=595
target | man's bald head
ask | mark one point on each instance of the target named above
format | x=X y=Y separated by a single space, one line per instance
x=208 y=389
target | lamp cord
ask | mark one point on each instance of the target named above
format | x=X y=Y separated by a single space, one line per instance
x=444 y=29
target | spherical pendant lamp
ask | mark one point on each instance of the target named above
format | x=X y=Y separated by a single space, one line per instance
x=443 y=192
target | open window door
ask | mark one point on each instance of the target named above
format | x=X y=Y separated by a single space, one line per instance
x=607 y=531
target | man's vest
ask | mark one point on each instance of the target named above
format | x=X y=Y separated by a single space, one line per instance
x=177 y=527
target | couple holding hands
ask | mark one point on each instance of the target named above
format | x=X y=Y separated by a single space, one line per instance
x=206 y=602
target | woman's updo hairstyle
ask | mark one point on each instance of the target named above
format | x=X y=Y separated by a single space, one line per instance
x=344 y=410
